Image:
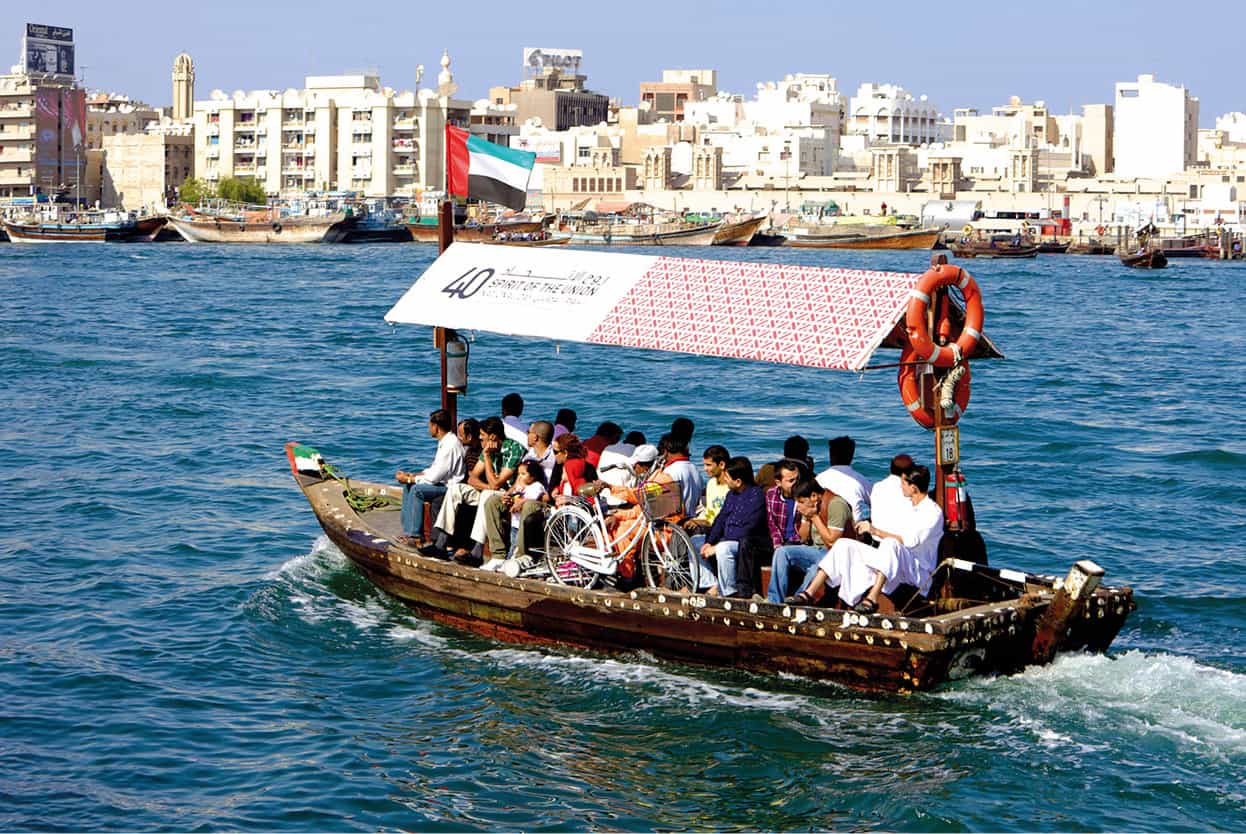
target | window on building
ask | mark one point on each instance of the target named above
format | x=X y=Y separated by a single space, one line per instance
x=1193 y=192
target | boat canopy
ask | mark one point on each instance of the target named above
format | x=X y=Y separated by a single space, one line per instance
x=814 y=317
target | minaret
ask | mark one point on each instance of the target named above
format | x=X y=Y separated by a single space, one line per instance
x=183 y=87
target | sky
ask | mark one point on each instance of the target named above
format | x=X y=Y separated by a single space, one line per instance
x=958 y=54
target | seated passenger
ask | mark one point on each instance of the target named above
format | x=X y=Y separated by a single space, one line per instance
x=795 y=448
x=825 y=517
x=907 y=556
x=564 y=422
x=781 y=517
x=576 y=470
x=446 y=470
x=887 y=496
x=469 y=436
x=512 y=410
x=528 y=491
x=490 y=528
x=499 y=460
x=677 y=466
x=607 y=434
x=735 y=535
x=714 y=463
x=847 y=482
x=683 y=428
x=612 y=466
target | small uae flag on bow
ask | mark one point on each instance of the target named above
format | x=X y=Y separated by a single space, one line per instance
x=484 y=171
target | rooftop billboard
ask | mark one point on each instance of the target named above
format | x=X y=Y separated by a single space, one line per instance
x=48 y=49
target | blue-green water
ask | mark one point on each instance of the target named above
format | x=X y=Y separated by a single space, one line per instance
x=182 y=650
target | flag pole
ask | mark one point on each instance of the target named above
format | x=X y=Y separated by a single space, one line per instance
x=445 y=237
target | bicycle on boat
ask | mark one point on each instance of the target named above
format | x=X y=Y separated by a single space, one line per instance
x=580 y=551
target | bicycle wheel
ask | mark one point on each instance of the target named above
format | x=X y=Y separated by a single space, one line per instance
x=570 y=528
x=672 y=565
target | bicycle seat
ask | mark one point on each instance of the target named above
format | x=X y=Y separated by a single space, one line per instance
x=591 y=489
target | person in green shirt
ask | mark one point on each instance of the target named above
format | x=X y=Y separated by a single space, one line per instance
x=493 y=472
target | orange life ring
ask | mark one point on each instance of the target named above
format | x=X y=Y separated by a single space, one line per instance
x=911 y=392
x=1099 y=230
x=944 y=356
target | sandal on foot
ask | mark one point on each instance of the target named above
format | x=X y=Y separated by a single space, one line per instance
x=866 y=606
x=800 y=598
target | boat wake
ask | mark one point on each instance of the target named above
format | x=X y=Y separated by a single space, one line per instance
x=1164 y=698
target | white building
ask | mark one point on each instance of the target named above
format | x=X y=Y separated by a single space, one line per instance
x=1234 y=126
x=886 y=113
x=1156 y=128
x=340 y=132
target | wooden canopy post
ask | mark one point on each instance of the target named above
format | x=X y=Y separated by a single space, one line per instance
x=443 y=335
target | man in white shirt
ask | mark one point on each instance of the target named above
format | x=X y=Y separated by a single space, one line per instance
x=906 y=556
x=619 y=456
x=682 y=472
x=887 y=502
x=847 y=482
x=512 y=410
x=449 y=467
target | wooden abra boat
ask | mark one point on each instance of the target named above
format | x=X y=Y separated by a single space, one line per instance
x=974 y=620
x=422 y=232
x=645 y=234
x=542 y=239
x=1147 y=259
x=87 y=227
x=738 y=232
x=914 y=239
x=980 y=620
x=207 y=228
x=993 y=249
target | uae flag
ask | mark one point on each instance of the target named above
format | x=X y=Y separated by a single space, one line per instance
x=484 y=171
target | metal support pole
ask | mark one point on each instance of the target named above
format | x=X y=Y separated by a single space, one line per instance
x=442 y=335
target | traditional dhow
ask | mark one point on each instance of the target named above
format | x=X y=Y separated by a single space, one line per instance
x=645 y=234
x=426 y=232
x=738 y=232
x=87 y=227
x=899 y=239
x=207 y=228
x=973 y=619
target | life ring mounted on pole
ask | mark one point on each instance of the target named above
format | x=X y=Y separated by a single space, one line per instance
x=920 y=391
x=923 y=346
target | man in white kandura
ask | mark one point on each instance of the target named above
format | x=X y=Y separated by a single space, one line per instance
x=907 y=556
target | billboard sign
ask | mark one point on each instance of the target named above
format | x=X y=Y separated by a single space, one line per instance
x=566 y=61
x=548 y=151
x=48 y=49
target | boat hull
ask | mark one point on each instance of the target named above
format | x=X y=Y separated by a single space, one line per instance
x=882 y=652
x=899 y=240
x=962 y=251
x=427 y=232
x=552 y=240
x=69 y=232
x=206 y=229
x=621 y=235
x=1153 y=259
x=738 y=233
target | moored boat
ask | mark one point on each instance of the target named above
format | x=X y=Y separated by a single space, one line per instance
x=644 y=234
x=901 y=239
x=738 y=232
x=1153 y=258
x=993 y=249
x=973 y=619
x=271 y=228
x=83 y=227
x=769 y=237
x=531 y=239
x=424 y=230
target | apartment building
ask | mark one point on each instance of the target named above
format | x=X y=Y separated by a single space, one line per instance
x=340 y=132
x=42 y=136
x=886 y=113
x=1155 y=132
x=666 y=99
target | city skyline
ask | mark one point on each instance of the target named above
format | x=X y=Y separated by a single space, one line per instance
x=968 y=56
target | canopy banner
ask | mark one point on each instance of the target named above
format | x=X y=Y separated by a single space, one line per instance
x=798 y=315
